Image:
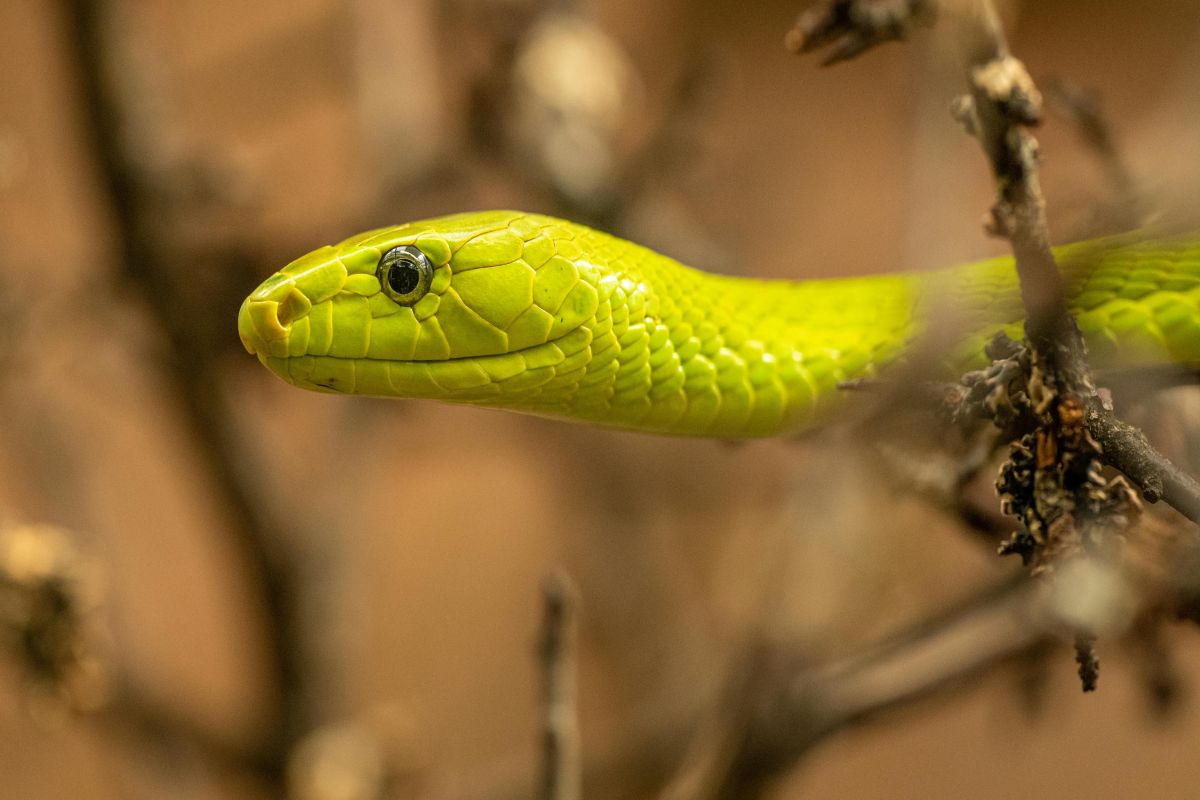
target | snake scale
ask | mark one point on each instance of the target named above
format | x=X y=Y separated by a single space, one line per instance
x=536 y=314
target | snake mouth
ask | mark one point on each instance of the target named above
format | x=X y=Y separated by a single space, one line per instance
x=469 y=379
x=266 y=320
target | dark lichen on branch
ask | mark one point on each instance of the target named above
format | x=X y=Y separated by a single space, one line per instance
x=1053 y=479
x=1002 y=102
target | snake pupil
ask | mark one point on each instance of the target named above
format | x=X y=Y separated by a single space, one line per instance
x=403 y=277
x=404 y=274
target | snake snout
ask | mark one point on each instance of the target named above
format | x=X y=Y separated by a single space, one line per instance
x=266 y=317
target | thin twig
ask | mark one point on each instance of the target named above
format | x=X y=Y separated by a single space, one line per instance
x=853 y=27
x=1003 y=102
x=799 y=709
x=562 y=776
x=1126 y=208
x=779 y=706
x=1127 y=449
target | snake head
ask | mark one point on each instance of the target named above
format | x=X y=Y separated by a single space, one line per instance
x=480 y=308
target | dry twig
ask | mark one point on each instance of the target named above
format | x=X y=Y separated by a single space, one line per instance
x=853 y=26
x=561 y=777
x=794 y=710
x=1003 y=101
x=1125 y=208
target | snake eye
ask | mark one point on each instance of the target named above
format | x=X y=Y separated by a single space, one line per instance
x=404 y=273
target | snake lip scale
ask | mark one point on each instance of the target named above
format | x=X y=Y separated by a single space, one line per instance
x=540 y=315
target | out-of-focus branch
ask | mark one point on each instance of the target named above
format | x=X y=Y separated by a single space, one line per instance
x=796 y=706
x=1126 y=208
x=130 y=711
x=561 y=777
x=51 y=600
x=854 y=26
x=800 y=709
x=779 y=705
x=125 y=148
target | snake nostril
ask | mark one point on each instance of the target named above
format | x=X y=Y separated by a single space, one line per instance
x=266 y=317
x=262 y=329
x=295 y=305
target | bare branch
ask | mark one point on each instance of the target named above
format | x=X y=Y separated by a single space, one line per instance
x=561 y=766
x=128 y=154
x=854 y=26
x=1126 y=448
x=1084 y=109
x=795 y=710
x=1003 y=101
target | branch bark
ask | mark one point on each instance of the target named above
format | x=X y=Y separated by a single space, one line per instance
x=561 y=766
x=1003 y=102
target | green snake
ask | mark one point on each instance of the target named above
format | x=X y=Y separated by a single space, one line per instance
x=535 y=314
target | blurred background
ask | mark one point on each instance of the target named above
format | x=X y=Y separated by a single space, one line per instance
x=267 y=591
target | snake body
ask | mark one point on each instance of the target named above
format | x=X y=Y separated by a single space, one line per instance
x=536 y=314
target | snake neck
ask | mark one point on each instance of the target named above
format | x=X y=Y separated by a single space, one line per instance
x=676 y=351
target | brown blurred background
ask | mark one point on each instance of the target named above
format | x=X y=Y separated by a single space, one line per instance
x=414 y=537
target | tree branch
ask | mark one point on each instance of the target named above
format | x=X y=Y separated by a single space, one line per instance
x=127 y=153
x=561 y=766
x=780 y=707
x=854 y=27
x=1003 y=101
